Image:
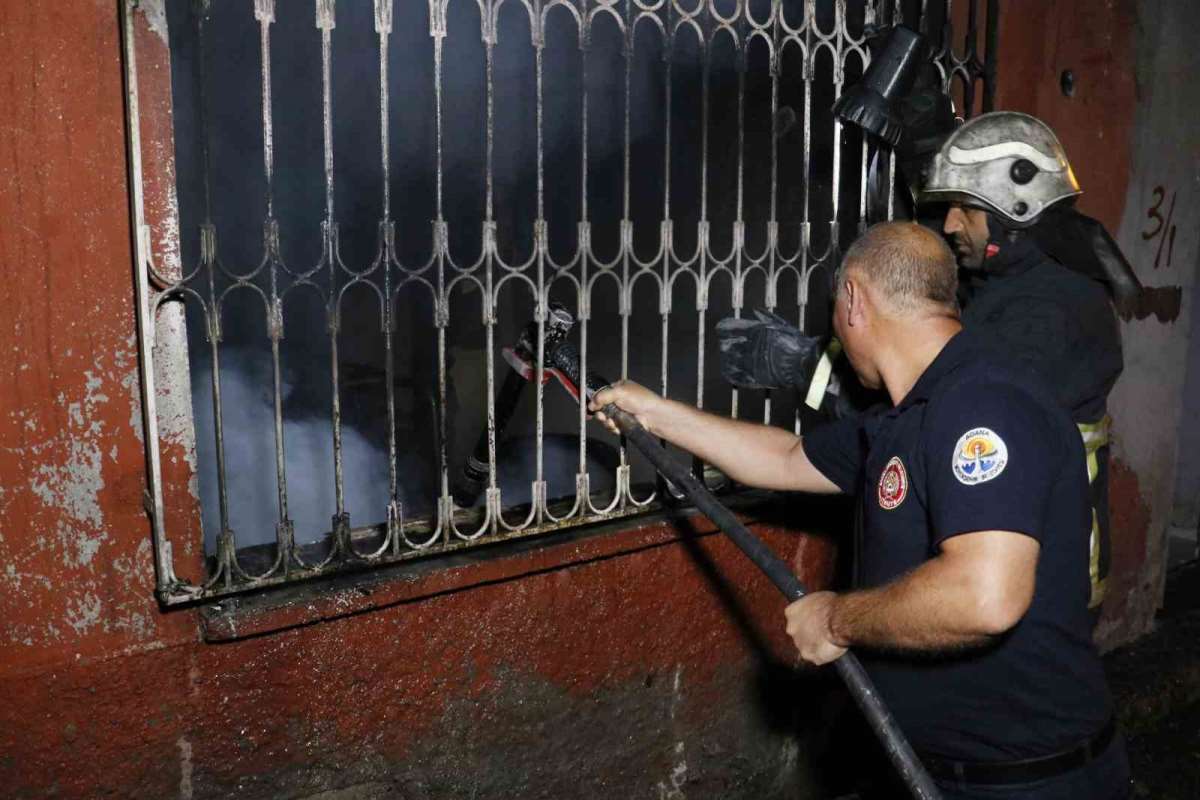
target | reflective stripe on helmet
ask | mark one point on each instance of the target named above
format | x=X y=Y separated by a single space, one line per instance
x=979 y=155
x=978 y=160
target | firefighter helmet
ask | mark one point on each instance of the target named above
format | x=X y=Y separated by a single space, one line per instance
x=1009 y=163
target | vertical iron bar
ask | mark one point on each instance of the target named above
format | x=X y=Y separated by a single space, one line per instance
x=970 y=37
x=741 y=64
x=208 y=261
x=489 y=43
x=213 y=321
x=383 y=26
x=863 y=143
x=775 y=65
x=437 y=29
x=582 y=235
x=325 y=22
x=626 y=306
x=702 y=237
x=839 y=16
x=991 y=56
x=667 y=229
x=810 y=17
x=264 y=13
x=537 y=31
x=201 y=11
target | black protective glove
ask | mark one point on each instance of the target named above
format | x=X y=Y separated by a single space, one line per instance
x=766 y=353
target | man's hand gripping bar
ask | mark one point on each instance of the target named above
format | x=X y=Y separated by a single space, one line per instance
x=564 y=360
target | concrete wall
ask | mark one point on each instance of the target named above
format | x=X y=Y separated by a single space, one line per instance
x=1129 y=129
x=1185 y=517
x=616 y=664
x=1164 y=178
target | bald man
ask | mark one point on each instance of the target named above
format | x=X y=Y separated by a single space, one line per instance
x=970 y=603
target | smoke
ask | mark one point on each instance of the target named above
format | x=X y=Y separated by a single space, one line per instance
x=222 y=182
x=251 y=477
x=516 y=460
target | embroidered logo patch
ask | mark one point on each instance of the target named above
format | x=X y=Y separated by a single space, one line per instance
x=979 y=456
x=893 y=484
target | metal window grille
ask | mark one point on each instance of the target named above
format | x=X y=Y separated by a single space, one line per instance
x=652 y=165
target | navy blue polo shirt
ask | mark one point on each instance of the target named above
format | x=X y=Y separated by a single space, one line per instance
x=978 y=445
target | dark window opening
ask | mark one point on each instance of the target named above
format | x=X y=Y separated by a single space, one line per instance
x=376 y=198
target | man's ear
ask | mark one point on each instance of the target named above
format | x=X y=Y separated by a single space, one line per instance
x=853 y=293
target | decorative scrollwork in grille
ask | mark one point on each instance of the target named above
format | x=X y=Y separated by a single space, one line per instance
x=729 y=182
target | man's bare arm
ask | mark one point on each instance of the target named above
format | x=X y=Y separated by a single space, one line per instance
x=977 y=588
x=749 y=453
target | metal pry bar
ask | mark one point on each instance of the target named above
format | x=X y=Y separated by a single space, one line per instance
x=564 y=360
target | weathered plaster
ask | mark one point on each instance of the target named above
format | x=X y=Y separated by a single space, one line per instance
x=185 y=768
x=1146 y=404
x=84 y=612
x=156 y=17
x=1186 y=514
x=1130 y=127
x=74 y=486
x=173 y=398
x=629 y=676
x=78 y=578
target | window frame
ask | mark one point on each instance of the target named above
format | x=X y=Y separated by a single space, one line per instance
x=168 y=425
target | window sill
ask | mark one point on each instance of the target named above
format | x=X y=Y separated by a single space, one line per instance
x=348 y=595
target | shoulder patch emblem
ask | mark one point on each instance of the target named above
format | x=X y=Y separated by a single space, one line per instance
x=893 y=484
x=979 y=456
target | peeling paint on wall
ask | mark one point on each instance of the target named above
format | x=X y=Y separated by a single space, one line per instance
x=1159 y=236
x=1130 y=132
x=131 y=386
x=83 y=612
x=156 y=16
x=1161 y=302
x=1131 y=598
x=672 y=787
x=185 y=768
x=76 y=564
x=174 y=387
x=72 y=487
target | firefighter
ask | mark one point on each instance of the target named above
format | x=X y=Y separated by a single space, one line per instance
x=1003 y=176
x=1034 y=274
x=975 y=518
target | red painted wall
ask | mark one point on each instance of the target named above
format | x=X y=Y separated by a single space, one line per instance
x=1040 y=40
x=78 y=562
x=1096 y=124
x=610 y=665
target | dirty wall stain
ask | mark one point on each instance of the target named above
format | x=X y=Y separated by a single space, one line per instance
x=73 y=535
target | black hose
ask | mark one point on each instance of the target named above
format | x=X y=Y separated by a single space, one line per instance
x=565 y=358
x=474 y=477
x=899 y=751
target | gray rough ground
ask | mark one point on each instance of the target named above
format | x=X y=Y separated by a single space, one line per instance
x=1156 y=684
